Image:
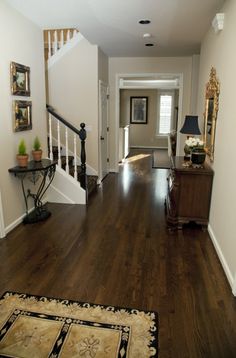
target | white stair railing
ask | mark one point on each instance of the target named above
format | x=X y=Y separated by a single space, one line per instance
x=72 y=134
x=59 y=143
x=56 y=39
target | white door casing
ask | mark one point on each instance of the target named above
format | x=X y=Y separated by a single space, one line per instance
x=2 y=229
x=103 y=130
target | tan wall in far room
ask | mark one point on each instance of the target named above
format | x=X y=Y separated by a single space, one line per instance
x=142 y=135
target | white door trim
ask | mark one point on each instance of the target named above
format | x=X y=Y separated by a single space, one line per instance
x=234 y=285
x=117 y=107
x=101 y=83
x=2 y=228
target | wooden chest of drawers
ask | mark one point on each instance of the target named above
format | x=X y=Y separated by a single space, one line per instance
x=189 y=193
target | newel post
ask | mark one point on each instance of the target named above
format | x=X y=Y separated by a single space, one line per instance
x=83 y=135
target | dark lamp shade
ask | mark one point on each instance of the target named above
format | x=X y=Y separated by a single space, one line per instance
x=190 y=126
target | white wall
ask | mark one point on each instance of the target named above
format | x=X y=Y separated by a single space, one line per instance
x=22 y=42
x=73 y=92
x=219 y=50
x=119 y=65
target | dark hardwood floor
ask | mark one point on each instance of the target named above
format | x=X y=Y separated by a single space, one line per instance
x=117 y=251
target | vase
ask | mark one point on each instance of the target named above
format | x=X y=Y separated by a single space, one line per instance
x=22 y=160
x=37 y=155
x=198 y=157
x=187 y=152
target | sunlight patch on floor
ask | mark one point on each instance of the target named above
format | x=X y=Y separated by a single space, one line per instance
x=136 y=157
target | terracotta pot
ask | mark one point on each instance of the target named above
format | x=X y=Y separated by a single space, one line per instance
x=37 y=155
x=22 y=160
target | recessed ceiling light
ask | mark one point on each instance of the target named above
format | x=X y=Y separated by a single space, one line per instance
x=146 y=36
x=144 y=22
x=149 y=45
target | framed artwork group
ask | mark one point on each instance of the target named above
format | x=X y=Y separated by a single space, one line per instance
x=20 y=86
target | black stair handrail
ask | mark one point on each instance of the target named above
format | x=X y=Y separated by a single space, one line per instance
x=82 y=135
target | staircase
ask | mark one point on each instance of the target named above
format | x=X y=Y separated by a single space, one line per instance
x=65 y=142
x=91 y=180
x=74 y=181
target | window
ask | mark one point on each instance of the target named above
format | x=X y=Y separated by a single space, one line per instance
x=165 y=114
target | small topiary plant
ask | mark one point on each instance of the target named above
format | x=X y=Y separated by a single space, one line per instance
x=22 y=148
x=37 y=144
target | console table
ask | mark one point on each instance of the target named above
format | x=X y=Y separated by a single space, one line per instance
x=42 y=172
x=189 y=193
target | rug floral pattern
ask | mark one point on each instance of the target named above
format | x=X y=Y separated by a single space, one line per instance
x=32 y=326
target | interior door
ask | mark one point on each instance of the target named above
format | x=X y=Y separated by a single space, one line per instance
x=103 y=132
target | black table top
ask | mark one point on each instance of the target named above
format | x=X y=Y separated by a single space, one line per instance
x=33 y=166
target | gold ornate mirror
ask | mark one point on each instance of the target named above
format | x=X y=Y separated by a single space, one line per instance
x=210 y=114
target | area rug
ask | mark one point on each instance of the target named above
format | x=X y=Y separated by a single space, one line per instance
x=33 y=326
x=160 y=159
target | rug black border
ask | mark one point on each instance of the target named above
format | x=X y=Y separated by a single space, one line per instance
x=154 y=343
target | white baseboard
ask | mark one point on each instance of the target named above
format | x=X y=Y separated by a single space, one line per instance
x=19 y=220
x=147 y=147
x=228 y=273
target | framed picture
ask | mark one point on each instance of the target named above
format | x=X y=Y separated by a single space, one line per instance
x=22 y=115
x=138 y=110
x=20 y=79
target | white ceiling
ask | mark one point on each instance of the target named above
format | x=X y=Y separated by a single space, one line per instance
x=177 y=26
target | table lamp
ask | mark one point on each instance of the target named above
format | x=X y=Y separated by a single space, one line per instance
x=191 y=128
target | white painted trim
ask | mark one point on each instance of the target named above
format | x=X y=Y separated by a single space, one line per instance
x=180 y=110
x=117 y=107
x=101 y=83
x=234 y=286
x=65 y=189
x=66 y=48
x=64 y=199
x=19 y=220
x=2 y=229
x=223 y=261
x=147 y=147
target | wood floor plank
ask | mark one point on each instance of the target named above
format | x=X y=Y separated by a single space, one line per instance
x=118 y=251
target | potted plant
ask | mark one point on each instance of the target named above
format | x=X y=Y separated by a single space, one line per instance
x=195 y=149
x=37 y=151
x=22 y=157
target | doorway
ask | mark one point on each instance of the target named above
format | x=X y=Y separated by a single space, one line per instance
x=149 y=83
x=103 y=130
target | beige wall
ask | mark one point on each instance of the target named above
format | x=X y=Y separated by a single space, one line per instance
x=142 y=135
x=73 y=92
x=22 y=42
x=219 y=50
x=126 y=66
x=102 y=66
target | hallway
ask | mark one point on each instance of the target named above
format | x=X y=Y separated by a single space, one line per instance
x=117 y=251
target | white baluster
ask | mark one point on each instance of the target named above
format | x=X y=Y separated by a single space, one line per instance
x=75 y=158
x=50 y=137
x=55 y=43
x=61 y=43
x=49 y=44
x=68 y=36
x=67 y=162
x=59 y=143
x=74 y=33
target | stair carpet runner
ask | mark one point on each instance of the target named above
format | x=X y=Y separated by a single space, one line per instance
x=91 y=180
